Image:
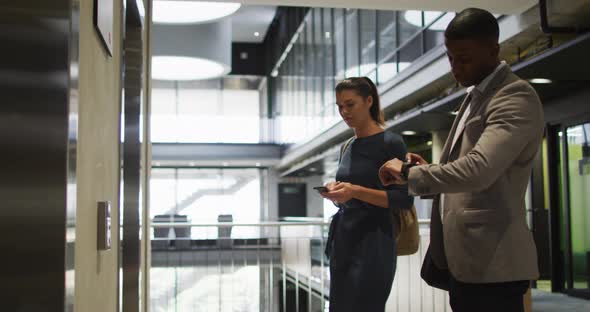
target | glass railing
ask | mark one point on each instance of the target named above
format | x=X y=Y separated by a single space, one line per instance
x=264 y=266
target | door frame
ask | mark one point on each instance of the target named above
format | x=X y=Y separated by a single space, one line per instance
x=561 y=267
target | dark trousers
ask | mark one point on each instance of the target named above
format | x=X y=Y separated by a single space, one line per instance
x=494 y=297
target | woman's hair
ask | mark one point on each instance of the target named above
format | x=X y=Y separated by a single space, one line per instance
x=364 y=87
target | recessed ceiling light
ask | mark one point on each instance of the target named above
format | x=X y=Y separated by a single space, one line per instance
x=257 y=34
x=429 y=143
x=540 y=81
x=313 y=169
x=225 y=164
x=191 y=12
x=454 y=113
x=409 y=132
x=275 y=73
x=258 y=164
x=186 y=68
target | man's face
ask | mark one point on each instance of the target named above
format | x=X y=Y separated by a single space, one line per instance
x=471 y=59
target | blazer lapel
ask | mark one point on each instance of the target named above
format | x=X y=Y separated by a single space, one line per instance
x=489 y=91
x=476 y=102
x=444 y=157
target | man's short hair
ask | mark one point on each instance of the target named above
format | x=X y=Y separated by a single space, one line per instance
x=473 y=23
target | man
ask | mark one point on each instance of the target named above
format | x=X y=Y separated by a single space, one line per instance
x=478 y=228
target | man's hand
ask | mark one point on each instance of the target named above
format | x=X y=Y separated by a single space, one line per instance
x=416 y=159
x=390 y=172
x=340 y=192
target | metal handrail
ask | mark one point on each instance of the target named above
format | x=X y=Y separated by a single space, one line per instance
x=259 y=224
x=225 y=224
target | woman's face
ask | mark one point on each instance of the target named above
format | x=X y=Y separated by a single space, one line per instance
x=355 y=110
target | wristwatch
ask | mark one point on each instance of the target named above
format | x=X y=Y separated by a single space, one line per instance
x=405 y=172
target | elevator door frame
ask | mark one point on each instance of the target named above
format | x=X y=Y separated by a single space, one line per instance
x=562 y=279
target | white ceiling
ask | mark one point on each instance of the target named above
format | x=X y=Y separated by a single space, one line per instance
x=256 y=15
x=250 y=19
x=495 y=6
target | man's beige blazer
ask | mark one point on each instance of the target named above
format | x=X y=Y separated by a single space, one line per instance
x=483 y=237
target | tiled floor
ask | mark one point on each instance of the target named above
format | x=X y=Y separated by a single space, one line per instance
x=552 y=302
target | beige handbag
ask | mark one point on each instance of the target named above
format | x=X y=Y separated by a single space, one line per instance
x=406 y=232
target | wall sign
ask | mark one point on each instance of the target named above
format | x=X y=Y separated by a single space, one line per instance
x=103 y=22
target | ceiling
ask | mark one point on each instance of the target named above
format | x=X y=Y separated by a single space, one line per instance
x=250 y=19
x=558 y=65
x=498 y=6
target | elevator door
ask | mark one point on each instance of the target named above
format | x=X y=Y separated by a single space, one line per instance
x=292 y=200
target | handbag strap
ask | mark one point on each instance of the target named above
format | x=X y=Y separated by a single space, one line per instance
x=343 y=149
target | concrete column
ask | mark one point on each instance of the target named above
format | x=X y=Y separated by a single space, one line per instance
x=438 y=142
x=315 y=203
x=271 y=211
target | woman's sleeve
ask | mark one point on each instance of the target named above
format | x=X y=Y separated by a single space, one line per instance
x=397 y=195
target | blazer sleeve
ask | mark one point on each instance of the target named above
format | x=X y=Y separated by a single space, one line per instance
x=398 y=196
x=514 y=119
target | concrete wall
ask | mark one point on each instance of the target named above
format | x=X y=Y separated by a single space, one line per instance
x=98 y=162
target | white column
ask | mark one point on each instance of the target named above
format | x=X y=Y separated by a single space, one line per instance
x=438 y=142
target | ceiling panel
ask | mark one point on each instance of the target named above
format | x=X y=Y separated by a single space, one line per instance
x=250 y=19
x=498 y=6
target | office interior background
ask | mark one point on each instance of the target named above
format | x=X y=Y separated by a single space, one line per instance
x=161 y=155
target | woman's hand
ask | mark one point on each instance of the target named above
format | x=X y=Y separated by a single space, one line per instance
x=340 y=192
x=331 y=185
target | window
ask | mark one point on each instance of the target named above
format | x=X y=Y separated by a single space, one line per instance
x=368 y=22
x=387 y=29
x=352 y=44
x=436 y=23
x=339 y=38
x=328 y=63
x=187 y=112
x=204 y=194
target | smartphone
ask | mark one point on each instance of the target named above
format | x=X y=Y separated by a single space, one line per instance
x=321 y=189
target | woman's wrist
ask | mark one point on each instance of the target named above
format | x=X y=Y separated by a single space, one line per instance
x=356 y=191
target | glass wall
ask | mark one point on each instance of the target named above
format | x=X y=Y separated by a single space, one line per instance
x=578 y=166
x=204 y=194
x=333 y=44
x=204 y=112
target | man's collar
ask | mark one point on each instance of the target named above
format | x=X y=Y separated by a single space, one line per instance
x=480 y=88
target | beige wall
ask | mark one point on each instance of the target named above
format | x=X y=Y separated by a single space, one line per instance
x=98 y=162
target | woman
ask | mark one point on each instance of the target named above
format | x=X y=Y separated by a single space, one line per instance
x=360 y=246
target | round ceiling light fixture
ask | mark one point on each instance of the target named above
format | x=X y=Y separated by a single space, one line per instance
x=191 y=51
x=191 y=12
x=540 y=81
x=186 y=68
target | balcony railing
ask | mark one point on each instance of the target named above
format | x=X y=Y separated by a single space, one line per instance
x=264 y=266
